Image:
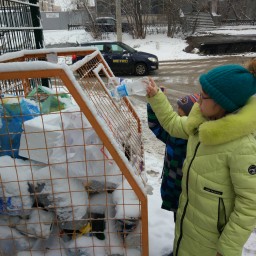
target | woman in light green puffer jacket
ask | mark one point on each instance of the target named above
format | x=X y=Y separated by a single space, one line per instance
x=217 y=208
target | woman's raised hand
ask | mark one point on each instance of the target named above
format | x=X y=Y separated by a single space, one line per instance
x=152 y=88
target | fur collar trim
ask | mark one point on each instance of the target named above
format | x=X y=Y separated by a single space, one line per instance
x=228 y=128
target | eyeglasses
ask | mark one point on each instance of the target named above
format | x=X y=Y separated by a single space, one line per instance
x=202 y=97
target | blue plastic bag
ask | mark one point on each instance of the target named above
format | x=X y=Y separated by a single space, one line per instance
x=13 y=113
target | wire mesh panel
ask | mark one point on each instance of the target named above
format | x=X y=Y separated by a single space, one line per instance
x=118 y=114
x=93 y=73
x=70 y=184
x=19 y=26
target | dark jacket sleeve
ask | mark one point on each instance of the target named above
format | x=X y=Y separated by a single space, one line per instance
x=155 y=126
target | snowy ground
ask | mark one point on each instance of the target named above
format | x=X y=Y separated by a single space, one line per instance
x=163 y=47
x=161 y=223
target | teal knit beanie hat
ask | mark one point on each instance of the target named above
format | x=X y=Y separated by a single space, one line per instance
x=230 y=86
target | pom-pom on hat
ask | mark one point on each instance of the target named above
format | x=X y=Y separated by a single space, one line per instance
x=230 y=86
x=187 y=102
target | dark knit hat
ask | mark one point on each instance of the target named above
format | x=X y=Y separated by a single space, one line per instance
x=187 y=102
x=230 y=86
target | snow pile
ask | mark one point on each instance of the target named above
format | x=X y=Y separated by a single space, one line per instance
x=127 y=203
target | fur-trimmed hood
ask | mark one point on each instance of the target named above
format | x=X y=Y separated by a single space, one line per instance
x=228 y=128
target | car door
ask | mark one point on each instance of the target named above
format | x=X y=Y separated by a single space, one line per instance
x=119 y=60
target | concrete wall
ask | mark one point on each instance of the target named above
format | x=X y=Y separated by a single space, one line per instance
x=55 y=20
x=60 y=20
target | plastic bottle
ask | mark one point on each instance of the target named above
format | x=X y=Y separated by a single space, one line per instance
x=120 y=88
x=113 y=82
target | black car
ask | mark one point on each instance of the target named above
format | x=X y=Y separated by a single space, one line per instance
x=122 y=58
x=108 y=24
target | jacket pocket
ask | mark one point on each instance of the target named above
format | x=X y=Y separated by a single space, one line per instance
x=222 y=216
x=211 y=204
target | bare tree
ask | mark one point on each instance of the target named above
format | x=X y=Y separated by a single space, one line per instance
x=84 y=4
x=90 y=26
x=234 y=9
x=137 y=14
x=194 y=5
x=105 y=7
x=173 y=12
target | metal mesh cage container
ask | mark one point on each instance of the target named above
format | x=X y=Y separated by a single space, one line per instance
x=72 y=179
x=20 y=26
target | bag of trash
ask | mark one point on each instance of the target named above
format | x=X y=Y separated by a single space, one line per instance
x=88 y=159
x=128 y=209
x=84 y=245
x=114 y=243
x=38 y=224
x=13 y=241
x=13 y=112
x=66 y=196
x=15 y=175
x=53 y=246
x=49 y=100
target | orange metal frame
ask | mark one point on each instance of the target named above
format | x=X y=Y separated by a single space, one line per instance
x=32 y=55
x=60 y=73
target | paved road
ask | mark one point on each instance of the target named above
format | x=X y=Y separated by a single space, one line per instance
x=181 y=77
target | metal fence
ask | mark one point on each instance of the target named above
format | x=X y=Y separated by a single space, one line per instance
x=20 y=26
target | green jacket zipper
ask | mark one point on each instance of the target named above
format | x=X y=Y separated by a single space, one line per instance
x=186 y=205
x=222 y=218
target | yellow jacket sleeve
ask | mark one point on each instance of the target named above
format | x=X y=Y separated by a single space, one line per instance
x=168 y=118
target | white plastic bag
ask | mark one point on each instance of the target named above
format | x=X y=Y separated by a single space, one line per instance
x=15 y=198
x=38 y=224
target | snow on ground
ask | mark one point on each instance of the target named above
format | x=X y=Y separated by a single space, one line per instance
x=163 y=47
x=161 y=223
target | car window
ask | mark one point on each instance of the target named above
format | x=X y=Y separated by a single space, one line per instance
x=99 y=46
x=106 y=21
x=111 y=22
x=116 y=48
x=108 y=48
x=127 y=47
x=101 y=21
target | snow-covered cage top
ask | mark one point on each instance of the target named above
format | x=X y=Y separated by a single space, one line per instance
x=71 y=163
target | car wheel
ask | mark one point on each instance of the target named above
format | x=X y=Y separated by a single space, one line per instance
x=141 y=69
